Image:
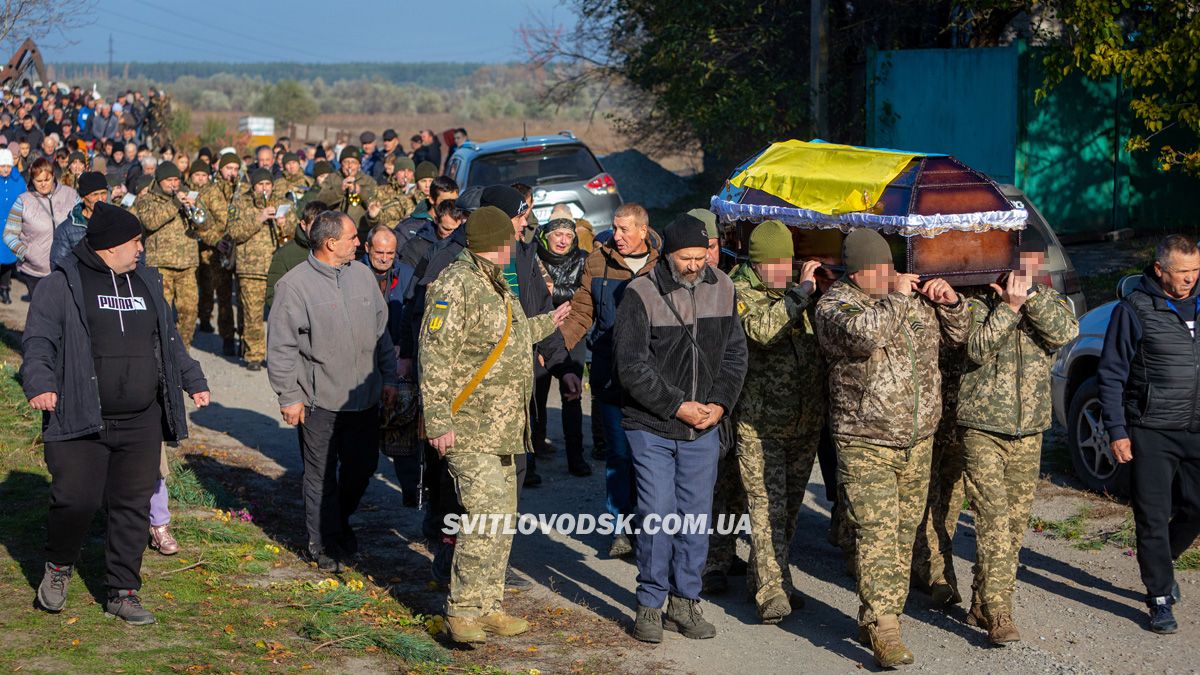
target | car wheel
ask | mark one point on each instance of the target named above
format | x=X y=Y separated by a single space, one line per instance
x=1087 y=440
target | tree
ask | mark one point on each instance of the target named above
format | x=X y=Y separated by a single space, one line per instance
x=287 y=101
x=1153 y=46
x=41 y=18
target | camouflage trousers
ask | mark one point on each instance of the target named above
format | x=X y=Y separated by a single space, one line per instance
x=775 y=474
x=730 y=498
x=216 y=280
x=1002 y=472
x=486 y=484
x=933 y=552
x=885 y=491
x=252 y=295
x=179 y=289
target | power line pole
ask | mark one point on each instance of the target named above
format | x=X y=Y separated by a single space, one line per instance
x=110 y=55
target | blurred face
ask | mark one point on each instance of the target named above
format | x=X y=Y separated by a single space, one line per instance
x=342 y=249
x=44 y=182
x=200 y=179
x=628 y=236
x=229 y=172
x=875 y=281
x=423 y=186
x=123 y=259
x=350 y=167
x=1179 y=275
x=66 y=129
x=689 y=263
x=381 y=251
x=265 y=157
x=561 y=240
x=1030 y=265
x=169 y=186
x=292 y=167
x=775 y=273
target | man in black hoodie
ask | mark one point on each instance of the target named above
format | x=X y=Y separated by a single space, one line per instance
x=105 y=365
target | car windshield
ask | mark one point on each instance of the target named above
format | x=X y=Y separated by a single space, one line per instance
x=555 y=164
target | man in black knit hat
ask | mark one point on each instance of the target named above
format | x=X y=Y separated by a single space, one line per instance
x=106 y=366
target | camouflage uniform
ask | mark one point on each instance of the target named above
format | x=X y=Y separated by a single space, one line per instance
x=779 y=422
x=728 y=498
x=337 y=199
x=885 y=404
x=396 y=202
x=463 y=322
x=216 y=199
x=933 y=553
x=171 y=247
x=1004 y=406
x=290 y=189
x=255 y=246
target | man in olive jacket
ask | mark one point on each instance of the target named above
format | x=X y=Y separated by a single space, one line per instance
x=881 y=333
x=1004 y=406
x=476 y=380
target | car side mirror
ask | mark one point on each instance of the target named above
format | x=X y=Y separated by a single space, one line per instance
x=1126 y=285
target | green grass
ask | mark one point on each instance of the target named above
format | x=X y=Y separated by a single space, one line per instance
x=1190 y=560
x=1070 y=529
x=216 y=604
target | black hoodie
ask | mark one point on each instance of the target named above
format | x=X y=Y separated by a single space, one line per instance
x=123 y=324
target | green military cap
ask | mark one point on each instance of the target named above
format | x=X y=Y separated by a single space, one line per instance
x=404 y=162
x=489 y=229
x=426 y=170
x=199 y=166
x=771 y=240
x=350 y=152
x=321 y=167
x=166 y=171
x=289 y=157
x=864 y=248
x=228 y=158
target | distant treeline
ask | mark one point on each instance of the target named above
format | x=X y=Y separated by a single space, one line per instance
x=434 y=75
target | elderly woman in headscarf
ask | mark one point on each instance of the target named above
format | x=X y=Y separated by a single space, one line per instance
x=561 y=262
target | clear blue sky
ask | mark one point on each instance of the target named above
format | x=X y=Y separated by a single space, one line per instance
x=310 y=31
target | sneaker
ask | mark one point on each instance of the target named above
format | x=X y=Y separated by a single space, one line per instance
x=774 y=609
x=884 y=637
x=126 y=605
x=714 y=582
x=504 y=625
x=1162 y=619
x=1002 y=630
x=52 y=592
x=684 y=617
x=620 y=547
x=648 y=625
x=162 y=541
x=465 y=630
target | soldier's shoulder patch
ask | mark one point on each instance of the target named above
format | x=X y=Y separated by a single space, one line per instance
x=741 y=308
x=437 y=315
x=849 y=308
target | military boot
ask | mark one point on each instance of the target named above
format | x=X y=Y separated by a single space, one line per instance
x=648 y=626
x=684 y=617
x=465 y=629
x=976 y=617
x=502 y=624
x=774 y=609
x=884 y=636
x=1001 y=629
x=944 y=594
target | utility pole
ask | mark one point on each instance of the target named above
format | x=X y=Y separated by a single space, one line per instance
x=818 y=71
x=110 y=55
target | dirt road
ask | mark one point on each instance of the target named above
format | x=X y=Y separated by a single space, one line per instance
x=1079 y=611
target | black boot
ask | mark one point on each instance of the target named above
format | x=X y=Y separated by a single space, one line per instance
x=5 y=296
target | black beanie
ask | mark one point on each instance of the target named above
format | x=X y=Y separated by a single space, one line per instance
x=350 y=152
x=685 y=232
x=259 y=174
x=507 y=199
x=110 y=226
x=91 y=181
x=165 y=171
x=489 y=229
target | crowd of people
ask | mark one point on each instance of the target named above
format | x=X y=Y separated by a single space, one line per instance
x=398 y=314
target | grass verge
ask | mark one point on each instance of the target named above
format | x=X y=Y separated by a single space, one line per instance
x=231 y=601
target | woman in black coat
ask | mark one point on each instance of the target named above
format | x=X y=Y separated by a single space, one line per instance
x=561 y=263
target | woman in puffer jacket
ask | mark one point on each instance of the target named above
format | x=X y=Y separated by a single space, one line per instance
x=561 y=262
x=29 y=230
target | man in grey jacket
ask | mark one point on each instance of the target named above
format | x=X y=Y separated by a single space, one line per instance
x=330 y=360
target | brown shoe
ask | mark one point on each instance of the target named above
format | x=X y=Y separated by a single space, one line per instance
x=1001 y=629
x=884 y=636
x=162 y=541
x=502 y=624
x=465 y=629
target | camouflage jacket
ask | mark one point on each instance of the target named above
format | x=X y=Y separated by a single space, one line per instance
x=295 y=183
x=168 y=239
x=219 y=206
x=255 y=242
x=463 y=322
x=395 y=204
x=885 y=386
x=780 y=397
x=1006 y=384
x=333 y=195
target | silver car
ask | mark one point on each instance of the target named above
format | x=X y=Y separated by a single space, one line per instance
x=560 y=169
x=1075 y=393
